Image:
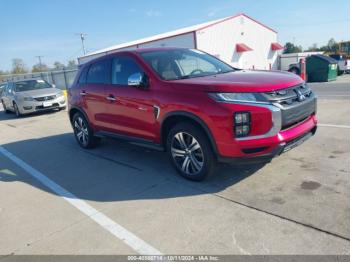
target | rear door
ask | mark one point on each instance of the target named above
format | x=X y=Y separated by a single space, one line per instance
x=130 y=108
x=93 y=93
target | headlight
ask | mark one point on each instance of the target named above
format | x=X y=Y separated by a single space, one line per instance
x=60 y=94
x=28 y=98
x=233 y=97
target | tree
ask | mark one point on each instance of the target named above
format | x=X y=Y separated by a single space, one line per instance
x=72 y=64
x=18 y=66
x=333 y=46
x=291 y=48
x=58 y=65
x=40 y=68
x=313 y=48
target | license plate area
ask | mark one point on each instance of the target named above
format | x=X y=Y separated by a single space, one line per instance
x=296 y=142
x=47 y=104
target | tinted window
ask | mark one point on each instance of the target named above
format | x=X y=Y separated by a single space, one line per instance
x=184 y=63
x=23 y=86
x=122 y=68
x=98 y=73
x=82 y=78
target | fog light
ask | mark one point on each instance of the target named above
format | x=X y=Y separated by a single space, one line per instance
x=27 y=107
x=242 y=124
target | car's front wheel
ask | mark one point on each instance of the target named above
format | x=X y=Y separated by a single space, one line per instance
x=190 y=151
x=83 y=132
x=17 y=112
x=4 y=107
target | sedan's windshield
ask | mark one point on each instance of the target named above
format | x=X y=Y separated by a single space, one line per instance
x=184 y=63
x=31 y=85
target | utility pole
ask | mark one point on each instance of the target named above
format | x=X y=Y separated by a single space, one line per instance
x=39 y=57
x=82 y=38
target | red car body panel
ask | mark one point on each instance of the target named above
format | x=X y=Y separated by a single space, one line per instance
x=133 y=112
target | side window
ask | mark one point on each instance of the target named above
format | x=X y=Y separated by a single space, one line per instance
x=82 y=78
x=9 y=88
x=122 y=68
x=99 y=73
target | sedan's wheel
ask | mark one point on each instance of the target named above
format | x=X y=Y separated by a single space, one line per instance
x=190 y=151
x=83 y=132
x=4 y=107
x=15 y=107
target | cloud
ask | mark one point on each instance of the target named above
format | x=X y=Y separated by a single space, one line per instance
x=148 y=13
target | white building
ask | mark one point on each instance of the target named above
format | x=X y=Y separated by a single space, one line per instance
x=238 y=40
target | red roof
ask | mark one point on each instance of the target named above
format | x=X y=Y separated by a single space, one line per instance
x=242 y=48
x=276 y=46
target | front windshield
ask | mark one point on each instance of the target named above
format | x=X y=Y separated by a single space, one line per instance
x=29 y=85
x=184 y=63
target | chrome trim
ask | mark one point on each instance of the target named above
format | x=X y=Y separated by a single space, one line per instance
x=276 y=121
x=158 y=111
x=110 y=98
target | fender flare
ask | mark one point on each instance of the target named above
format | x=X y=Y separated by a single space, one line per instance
x=196 y=119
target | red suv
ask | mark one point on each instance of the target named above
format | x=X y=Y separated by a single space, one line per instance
x=192 y=105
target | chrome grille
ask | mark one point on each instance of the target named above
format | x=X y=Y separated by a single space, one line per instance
x=45 y=98
x=296 y=104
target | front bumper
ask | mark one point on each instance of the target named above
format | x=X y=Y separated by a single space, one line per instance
x=277 y=149
x=27 y=107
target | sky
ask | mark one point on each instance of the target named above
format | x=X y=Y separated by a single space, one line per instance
x=48 y=28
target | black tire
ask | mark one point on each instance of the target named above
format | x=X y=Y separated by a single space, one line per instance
x=5 y=109
x=340 y=72
x=201 y=162
x=15 y=108
x=83 y=132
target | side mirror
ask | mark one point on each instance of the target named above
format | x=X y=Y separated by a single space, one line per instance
x=138 y=80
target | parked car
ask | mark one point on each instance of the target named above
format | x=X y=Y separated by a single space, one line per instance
x=192 y=105
x=32 y=95
x=343 y=63
x=2 y=86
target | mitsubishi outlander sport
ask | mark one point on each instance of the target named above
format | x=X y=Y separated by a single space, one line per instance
x=192 y=105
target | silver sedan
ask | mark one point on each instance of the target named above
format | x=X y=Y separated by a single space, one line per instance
x=28 y=96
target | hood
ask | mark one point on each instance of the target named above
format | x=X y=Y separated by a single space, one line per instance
x=40 y=92
x=241 y=81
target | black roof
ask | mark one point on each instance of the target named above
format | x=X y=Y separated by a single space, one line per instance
x=326 y=58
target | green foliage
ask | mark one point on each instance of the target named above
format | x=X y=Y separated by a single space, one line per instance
x=40 y=68
x=58 y=65
x=18 y=66
x=71 y=64
x=291 y=48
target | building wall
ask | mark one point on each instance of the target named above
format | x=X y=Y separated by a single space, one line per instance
x=185 y=40
x=221 y=39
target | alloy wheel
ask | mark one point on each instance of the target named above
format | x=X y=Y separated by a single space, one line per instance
x=187 y=153
x=81 y=131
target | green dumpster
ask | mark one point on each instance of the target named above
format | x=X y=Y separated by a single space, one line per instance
x=321 y=68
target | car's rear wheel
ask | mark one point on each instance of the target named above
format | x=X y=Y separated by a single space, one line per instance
x=4 y=107
x=17 y=112
x=190 y=151
x=83 y=132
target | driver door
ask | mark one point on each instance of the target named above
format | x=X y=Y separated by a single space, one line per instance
x=130 y=109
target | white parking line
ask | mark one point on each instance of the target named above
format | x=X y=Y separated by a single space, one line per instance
x=330 y=125
x=108 y=224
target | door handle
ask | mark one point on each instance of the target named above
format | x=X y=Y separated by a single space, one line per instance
x=83 y=93
x=111 y=98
